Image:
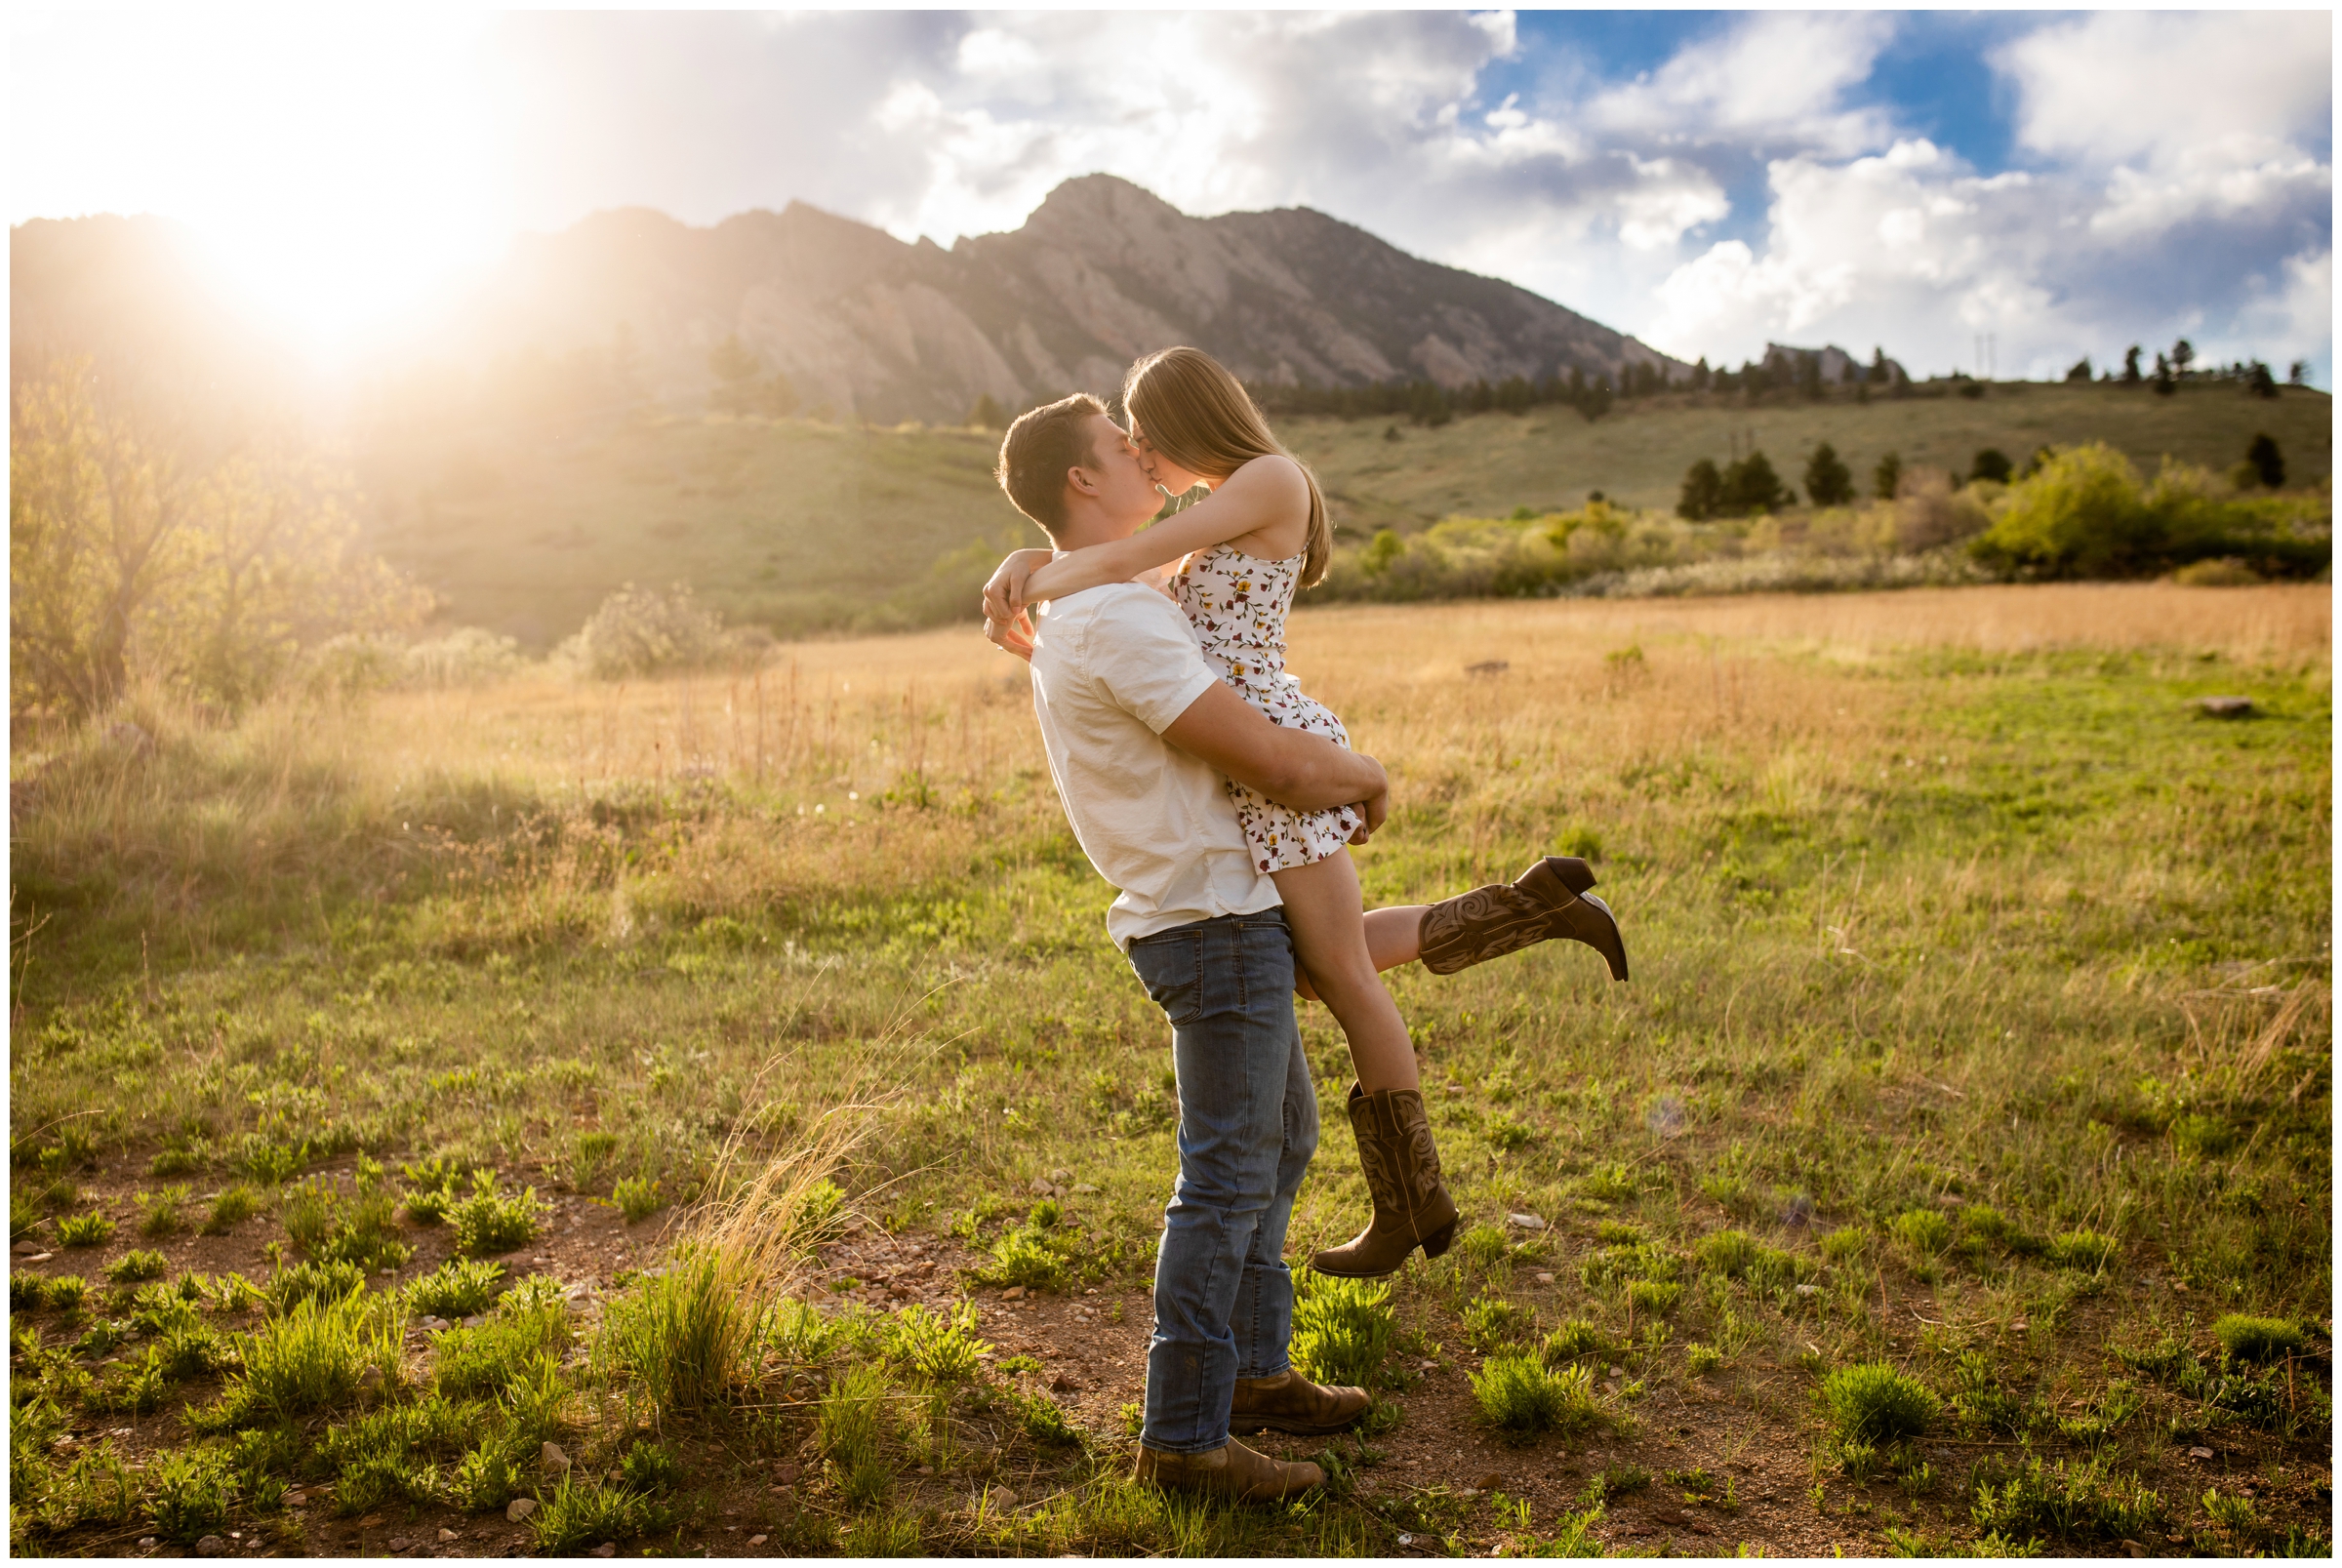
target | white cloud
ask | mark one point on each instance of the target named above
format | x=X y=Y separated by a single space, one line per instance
x=1775 y=77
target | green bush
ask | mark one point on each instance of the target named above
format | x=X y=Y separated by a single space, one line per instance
x=1490 y=1322
x=1701 y=1359
x=1519 y=1393
x=85 y=1231
x=67 y=1292
x=1342 y=1328
x=637 y=1198
x=1654 y=1297
x=683 y=1337
x=820 y=1215
x=939 y=1346
x=498 y=1352
x=2257 y=1339
x=1924 y=1231
x=189 y=1490
x=231 y=1208
x=488 y=1222
x=490 y=1475
x=1042 y=1418
x=1022 y=1257
x=852 y=1424
x=2087 y=1500
x=651 y=1467
x=160 y=1213
x=459 y=1288
x=27 y=1292
x=1845 y=1246
x=307 y=1358
x=577 y=1513
x=314 y=1281
x=2084 y=1250
x=1872 y=1402
x=1578 y=1338
x=2084 y=514
x=1728 y=1253
x=136 y=1265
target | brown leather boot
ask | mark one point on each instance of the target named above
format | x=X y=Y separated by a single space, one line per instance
x=1232 y=1472
x=1548 y=900
x=1291 y=1404
x=1411 y=1205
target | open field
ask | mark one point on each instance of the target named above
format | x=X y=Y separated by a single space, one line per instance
x=801 y=526
x=1981 y=1027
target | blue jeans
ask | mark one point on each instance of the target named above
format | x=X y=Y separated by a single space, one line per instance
x=1247 y=1127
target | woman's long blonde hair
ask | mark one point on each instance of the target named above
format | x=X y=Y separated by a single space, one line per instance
x=1191 y=410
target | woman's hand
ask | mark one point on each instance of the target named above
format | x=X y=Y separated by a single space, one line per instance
x=1004 y=593
x=1013 y=635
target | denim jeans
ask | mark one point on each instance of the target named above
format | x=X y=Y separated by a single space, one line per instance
x=1247 y=1127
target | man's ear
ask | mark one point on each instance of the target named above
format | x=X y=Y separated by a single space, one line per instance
x=1082 y=480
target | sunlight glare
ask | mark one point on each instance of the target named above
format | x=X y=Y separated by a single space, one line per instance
x=339 y=168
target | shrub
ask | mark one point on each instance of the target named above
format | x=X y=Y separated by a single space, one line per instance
x=307 y=1358
x=1728 y=1253
x=68 y=1292
x=160 y=1211
x=642 y=631
x=637 y=1198
x=1577 y=1337
x=85 y=1231
x=1490 y=1322
x=1924 y=1231
x=230 y=1209
x=1042 y=1418
x=314 y=1281
x=1845 y=1246
x=580 y=1512
x=820 y=1214
x=460 y=1287
x=852 y=1423
x=2085 y=1250
x=651 y=1467
x=267 y=1162
x=1872 y=1402
x=136 y=1265
x=1022 y=1257
x=1655 y=1296
x=1519 y=1393
x=2257 y=1339
x=941 y=1347
x=190 y=1491
x=500 y=1352
x=1342 y=1328
x=684 y=1336
x=2089 y=1500
x=490 y=1473
x=488 y=1223
x=1701 y=1359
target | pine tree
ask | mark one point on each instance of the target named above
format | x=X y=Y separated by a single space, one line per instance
x=1886 y=476
x=2267 y=460
x=1827 y=481
x=1703 y=493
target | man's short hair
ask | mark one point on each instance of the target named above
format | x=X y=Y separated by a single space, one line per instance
x=1039 y=448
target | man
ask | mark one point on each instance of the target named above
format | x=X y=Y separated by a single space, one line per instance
x=1139 y=731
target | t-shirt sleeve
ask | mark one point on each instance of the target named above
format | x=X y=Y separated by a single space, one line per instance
x=1143 y=655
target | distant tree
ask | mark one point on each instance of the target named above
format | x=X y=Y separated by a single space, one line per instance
x=986 y=414
x=1752 y=486
x=1701 y=374
x=2299 y=375
x=2080 y=371
x=2130 y=366
x=1827 y=481
x=2164 y=386
x=1703 y=493
x=2183 y=354
x=2267 y=460
x=736 y=368
x=1886 y=476
x=1991 y=464
x=2259 y=381
x=1514 y=394
x=2036 y=463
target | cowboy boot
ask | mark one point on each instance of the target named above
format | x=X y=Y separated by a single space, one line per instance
x=1411 y=1205
x=1548 y=900
x=1234 y=1471
x=1291 y=1404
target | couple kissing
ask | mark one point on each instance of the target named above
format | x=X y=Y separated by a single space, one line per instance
x=1219 y=800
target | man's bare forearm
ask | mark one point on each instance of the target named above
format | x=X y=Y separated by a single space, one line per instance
x=1310 y=773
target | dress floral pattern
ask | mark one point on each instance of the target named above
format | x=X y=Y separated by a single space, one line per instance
x=1237 y=603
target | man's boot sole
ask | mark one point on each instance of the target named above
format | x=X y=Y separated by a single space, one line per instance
x=1292 y=1429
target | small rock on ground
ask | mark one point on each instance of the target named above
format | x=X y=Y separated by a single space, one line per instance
x=519 y=1509
x=210 y=1546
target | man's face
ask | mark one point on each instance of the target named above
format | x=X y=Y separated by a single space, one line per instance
x=1124 y=492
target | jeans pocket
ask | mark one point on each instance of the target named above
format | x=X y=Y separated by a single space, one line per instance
x=1171 y=968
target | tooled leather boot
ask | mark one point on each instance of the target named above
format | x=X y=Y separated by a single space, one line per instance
x=1234 y=1471
x=1291 y=1404
x=1548 y=899
x=1411 y=1205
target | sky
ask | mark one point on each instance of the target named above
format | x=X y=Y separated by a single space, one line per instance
x=2001 y=190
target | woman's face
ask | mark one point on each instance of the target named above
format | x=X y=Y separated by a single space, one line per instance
x=1160 y=468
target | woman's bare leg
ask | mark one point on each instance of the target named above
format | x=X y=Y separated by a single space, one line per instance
x=1330 y=938
x=1393 y=938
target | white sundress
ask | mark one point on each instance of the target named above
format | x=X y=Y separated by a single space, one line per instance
x=1237 y=604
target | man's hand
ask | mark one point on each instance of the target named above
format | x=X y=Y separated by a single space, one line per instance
x=1376 y=808
x=1291 y=767
x=1011 y=636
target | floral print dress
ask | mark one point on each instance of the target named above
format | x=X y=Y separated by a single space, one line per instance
x=1237 y=603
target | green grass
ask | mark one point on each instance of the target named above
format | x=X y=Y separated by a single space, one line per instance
x=1874 y=1403
x=2012 y=928
x=460 y=1287
x=2257 y=1339
x=1517 y=1394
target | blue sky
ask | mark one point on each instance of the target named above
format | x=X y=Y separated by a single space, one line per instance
x=2070 y=182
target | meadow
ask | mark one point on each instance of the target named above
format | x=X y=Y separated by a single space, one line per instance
x=802 y=526
x=707 y=1112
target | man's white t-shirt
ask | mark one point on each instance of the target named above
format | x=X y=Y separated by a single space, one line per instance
x=1112 y=668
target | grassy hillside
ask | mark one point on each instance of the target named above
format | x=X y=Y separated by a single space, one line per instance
x=1636 y=453
x=802 y=526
